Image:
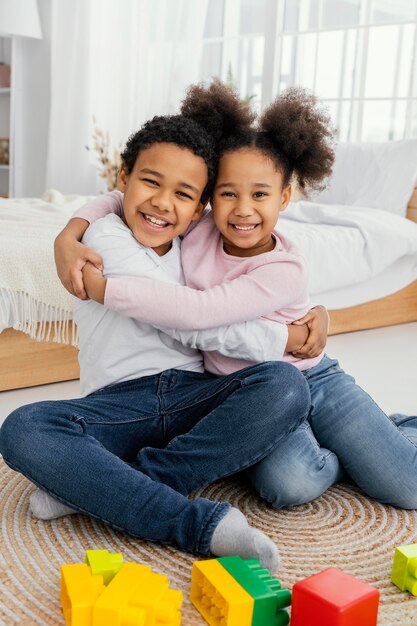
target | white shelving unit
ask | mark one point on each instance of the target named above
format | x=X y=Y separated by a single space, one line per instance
x=6 y=126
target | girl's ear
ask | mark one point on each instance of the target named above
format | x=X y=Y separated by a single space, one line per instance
x=285 y=197
x=199 y=211
x=122 y=179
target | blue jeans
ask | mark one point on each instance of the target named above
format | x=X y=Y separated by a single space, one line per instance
x=345 y=432
x=108 y=454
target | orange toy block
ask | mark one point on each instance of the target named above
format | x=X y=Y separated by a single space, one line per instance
x=138 y=597
x=79 y=590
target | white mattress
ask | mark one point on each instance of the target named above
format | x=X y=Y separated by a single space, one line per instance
x=395 y=277
x=354 y=254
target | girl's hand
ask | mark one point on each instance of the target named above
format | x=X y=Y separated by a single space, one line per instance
x=71 y=256
x=317 y=321
x=94 y=282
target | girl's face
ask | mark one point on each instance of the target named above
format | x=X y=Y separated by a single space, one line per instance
x=248 y=197
x=162 y=194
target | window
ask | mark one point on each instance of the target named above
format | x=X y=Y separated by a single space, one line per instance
x=357 y=56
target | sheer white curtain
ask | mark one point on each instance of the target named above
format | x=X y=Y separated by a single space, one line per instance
x=120 y=62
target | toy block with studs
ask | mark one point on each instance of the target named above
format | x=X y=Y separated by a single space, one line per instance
x=101 y=562
x=79 y=591
x=137 y=597
x=230 y=591
x=404 y=568
x=334 y=598
x=105 y=591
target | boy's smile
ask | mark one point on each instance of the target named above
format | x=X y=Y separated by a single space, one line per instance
x=248 y=198
x=162 y=194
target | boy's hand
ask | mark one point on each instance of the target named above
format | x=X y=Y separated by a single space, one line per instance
x=94 y=282
x=297 y=337
x=71 y=256
x=317 y=321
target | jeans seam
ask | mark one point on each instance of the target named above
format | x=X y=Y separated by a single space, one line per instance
x=207 y=397
x=165 y=429
x=79 y=418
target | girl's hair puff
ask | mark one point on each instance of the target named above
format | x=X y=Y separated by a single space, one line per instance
x=296 y=132
x=218 y=109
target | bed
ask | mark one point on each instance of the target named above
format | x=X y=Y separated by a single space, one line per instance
x=380 y=290
x=378 y=287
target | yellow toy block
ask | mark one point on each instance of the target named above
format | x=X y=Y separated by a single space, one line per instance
x=103 y=563
x=404 y=568
x=79 y=590
x=138 y=597
x=218 y=596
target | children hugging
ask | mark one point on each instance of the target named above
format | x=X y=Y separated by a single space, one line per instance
x=199 y=366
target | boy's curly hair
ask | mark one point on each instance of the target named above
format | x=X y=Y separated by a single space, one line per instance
x=179 y=130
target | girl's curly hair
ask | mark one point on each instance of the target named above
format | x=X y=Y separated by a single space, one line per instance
x=217 y=108
x=294 y=131
x=297 y=133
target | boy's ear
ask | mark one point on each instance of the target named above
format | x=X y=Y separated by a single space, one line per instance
x=285 y=197
x=121 y=179
x=199 y=210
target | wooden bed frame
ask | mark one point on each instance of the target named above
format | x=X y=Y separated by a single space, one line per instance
x=398 y=308
x=26 y=363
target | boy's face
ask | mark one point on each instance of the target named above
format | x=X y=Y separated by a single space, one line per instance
x=248 y=197
x=162 y=194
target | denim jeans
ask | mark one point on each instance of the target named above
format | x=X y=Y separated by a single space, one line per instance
x=346 y=432
x=127 y=453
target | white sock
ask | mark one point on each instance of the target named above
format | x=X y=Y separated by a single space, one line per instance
x=46 y=507
x=234 y=537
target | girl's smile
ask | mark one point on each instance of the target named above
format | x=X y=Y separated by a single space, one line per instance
x=247 y=200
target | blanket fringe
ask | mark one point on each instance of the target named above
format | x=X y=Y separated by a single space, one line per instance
x=37 y=319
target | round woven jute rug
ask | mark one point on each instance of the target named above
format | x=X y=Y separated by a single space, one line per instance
x=342 y=529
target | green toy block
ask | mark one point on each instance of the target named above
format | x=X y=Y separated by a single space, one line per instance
x=269 y=597
x=404 y=568
x=102 y=563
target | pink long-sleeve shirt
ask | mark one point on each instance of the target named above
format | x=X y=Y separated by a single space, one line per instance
x=221 y=289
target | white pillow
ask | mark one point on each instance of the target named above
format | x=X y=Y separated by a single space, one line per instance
x=373 y=175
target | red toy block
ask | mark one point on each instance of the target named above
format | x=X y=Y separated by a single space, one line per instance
x=334 y=598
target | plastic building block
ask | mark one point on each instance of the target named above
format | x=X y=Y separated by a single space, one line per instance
x=404 y=568
x=138 y=597
x=334 y=598
x=219 y=598
x=103 y=563
x=268 y=595
x=79 y=590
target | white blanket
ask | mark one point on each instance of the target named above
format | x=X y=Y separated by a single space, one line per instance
x=31 y=294
x=346 y=245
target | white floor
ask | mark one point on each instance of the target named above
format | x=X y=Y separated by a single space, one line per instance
x=384 y=362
